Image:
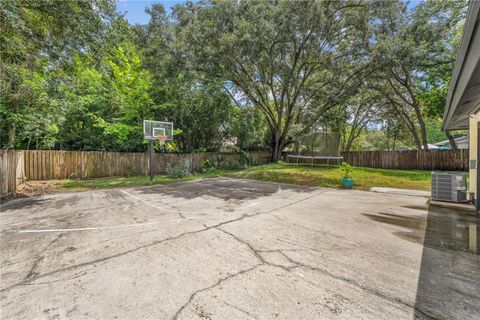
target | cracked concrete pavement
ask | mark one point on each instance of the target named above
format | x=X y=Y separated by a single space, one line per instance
x=236 y=249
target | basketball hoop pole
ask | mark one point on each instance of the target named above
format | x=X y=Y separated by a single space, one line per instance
x=150 y=151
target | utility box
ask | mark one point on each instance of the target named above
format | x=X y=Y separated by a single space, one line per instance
x=449 y=186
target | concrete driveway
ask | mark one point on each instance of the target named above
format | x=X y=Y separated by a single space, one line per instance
x=236 y=249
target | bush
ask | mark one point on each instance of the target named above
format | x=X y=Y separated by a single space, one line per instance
x=346 y=170
x=200 y=150
x=181 y=170
x=208 y=167
x=207 y=164
x=211 y=170
x=245 y=160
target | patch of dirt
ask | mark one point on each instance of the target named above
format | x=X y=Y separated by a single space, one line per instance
x=37 y=187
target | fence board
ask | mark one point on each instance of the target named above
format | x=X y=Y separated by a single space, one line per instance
x=410 y=159
x=11 y=171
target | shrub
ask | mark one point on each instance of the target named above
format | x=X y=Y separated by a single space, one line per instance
x=208 y=167
x=246 y=160
x=207 y=164
x=181 y=170
x=346 y=170
x=211 y=170
x=200 y=150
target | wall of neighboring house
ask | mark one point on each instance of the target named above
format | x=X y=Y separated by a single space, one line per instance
x=473 y=154
x=463 y=145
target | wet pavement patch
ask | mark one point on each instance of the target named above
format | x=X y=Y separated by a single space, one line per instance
x=440 y=228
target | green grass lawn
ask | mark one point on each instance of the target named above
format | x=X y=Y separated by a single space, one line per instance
x=321 y=176
x=117 y=182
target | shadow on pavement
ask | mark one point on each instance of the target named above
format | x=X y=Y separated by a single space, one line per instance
x=449 y=278
x=21 y=203
x=224 y=189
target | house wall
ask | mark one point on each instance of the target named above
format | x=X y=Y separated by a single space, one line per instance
x=473 y=154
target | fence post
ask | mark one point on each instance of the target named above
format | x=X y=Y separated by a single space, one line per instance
x=82 y=165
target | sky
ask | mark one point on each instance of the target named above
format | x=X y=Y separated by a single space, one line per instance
x=134 y=10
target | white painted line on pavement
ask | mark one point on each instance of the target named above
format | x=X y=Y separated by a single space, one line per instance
x=98 y=228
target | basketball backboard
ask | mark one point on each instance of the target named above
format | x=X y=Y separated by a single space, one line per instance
x=152 y=129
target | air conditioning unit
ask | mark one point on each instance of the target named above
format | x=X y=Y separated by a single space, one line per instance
x=449 y=186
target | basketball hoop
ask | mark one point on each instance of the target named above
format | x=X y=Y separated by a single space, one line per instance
x=156 y=130
x=161 y=138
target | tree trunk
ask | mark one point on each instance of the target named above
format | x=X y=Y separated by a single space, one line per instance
x=423 y=130
x=450 y=137
x=347 y=147
x=12 y=130
x=418 y=143
x=388 y=140
x=278 y=143
x=416 y=138
x=276 y=148
x=354 y=134
x=349 y=143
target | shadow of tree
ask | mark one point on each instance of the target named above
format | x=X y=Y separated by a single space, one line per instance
x=224 y=189
x=21 y=203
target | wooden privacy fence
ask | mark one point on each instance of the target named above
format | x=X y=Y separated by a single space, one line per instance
x=11 y=171
x=410 y=159
x=45 y=165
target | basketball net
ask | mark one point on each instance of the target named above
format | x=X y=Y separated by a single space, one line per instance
x=161 y=138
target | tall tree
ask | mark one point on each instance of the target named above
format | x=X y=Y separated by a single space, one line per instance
x=38 y=38
x=196 y=104
x=409 y=43
x=292 y=60
x=106 y=96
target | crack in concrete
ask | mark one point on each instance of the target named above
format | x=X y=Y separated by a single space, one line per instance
x=257 y=253
x=297 y=264
x=288 y=259
x=298 y=201
x=360 y=286
x=216 y=284
x=58 y=280
x=240 y=309
x=249 y=246
x=72 y=267
x=36 y=262
x=27 y=281
x=32 y=276
x=252 y=249
x=33 y=270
